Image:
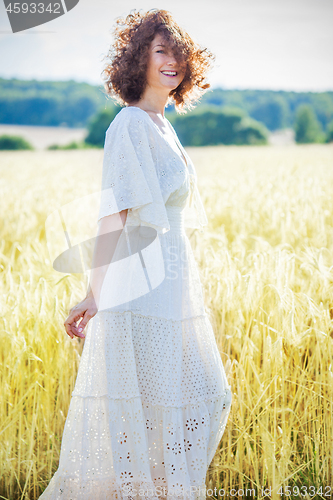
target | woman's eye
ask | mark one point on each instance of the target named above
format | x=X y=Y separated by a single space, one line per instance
x=161 y=50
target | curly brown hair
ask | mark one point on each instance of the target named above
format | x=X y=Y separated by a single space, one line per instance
x=125 y=72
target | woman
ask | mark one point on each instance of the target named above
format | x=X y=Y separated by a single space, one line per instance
x=151 y=399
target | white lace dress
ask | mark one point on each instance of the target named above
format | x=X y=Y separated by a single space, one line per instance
x=151 y=399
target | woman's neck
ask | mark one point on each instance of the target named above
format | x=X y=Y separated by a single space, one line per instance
x=153 y=102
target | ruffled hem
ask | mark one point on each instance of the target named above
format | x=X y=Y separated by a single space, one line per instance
x=113 y=448
x=106 y=488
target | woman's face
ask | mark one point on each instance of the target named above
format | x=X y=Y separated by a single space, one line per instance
x=163 y=69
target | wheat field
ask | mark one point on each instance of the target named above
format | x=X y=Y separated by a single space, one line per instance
x=266 y=267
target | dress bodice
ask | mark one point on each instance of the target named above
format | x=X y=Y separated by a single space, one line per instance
x=178 y=199
x=170 y=153
x=147 y=172
x=175 y=206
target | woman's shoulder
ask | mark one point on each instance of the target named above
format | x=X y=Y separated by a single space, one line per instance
x=129 y=117
x=129 y=111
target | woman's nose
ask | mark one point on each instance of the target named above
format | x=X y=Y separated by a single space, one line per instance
x=172 y=60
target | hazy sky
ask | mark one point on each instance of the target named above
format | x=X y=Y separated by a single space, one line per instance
x=260 y=44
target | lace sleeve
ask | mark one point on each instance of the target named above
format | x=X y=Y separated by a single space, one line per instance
x=129 y=178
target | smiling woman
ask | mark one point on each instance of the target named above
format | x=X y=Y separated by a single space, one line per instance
x=151 y=399
x=126 y=74
x=162 y=63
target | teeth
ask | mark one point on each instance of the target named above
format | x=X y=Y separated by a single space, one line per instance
x=169 y=73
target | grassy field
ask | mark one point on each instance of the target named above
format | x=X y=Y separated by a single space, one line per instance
x=266 y=266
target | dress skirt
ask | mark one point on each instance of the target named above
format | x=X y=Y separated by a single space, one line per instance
x=151 y=399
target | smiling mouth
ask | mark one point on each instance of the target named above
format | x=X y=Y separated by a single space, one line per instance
x=169 y=73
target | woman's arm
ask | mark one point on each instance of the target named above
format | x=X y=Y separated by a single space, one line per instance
x=110 y=225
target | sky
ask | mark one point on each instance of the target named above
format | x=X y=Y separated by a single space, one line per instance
x=258 y=44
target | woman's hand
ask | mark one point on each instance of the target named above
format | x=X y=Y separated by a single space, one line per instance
x=85 y=309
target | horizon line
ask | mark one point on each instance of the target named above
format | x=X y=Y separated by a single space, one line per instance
x=213 y=86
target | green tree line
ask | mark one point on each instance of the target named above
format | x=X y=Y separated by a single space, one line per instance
x=33 y=102
x=276 y=109
x=222 y=117
x=73 y=104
